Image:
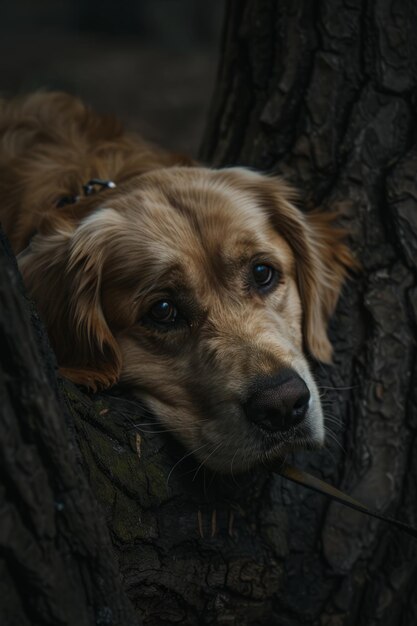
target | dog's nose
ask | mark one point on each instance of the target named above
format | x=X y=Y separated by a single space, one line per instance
x=279 y=402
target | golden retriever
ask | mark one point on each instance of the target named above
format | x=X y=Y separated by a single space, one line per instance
x=202 y=290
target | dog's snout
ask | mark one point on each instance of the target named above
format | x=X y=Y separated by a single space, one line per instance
x=279 y=402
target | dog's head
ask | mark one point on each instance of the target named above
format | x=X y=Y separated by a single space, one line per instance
x=203 y=291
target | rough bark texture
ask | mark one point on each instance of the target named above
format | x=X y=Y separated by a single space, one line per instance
x=57 y=565
x=324 y=93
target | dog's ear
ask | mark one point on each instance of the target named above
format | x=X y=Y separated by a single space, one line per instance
x=323 y=261
x=323 y=265
x=62 y=271
x=322 y=258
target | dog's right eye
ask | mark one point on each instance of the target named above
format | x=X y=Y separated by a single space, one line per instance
x=264 y=276
x=163 y=312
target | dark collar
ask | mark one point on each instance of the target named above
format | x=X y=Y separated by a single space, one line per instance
x=88 y=189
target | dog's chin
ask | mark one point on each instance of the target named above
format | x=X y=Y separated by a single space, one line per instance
x=260 y=449
x=230 y=444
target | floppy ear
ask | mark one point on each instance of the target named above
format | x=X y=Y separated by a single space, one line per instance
x=323 y=261
x=62 y=272
x=322 y=258
x=322 y=270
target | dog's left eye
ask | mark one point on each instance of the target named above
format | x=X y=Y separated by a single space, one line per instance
x=163 y=312
x=263 y=275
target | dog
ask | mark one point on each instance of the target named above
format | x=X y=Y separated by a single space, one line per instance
x=205 y=291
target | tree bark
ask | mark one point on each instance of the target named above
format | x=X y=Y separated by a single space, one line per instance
x=57 y=565
x=323 y=93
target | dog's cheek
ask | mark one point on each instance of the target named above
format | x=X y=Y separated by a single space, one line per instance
x=292 y=315
x=157 y=378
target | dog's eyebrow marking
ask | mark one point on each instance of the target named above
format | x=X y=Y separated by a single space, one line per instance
x=170 y=279
x=222 y=262
x=186 y=212
x=177 y=205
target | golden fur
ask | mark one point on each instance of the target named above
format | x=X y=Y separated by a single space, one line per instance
x=173 y=231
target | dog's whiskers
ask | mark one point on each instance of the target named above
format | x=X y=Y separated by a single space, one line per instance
x=206 y=459
x=334 y=421
x=334 y=438
x=188 y=454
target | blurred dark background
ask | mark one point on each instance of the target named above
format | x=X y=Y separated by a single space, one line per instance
x=151 y=62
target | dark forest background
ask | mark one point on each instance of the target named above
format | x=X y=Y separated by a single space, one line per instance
x=152 y=62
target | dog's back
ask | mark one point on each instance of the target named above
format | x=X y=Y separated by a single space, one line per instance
x=51 y=144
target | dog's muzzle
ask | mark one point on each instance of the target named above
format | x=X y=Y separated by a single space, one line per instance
x=278 y=403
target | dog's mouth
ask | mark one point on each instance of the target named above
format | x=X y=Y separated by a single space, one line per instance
x=281 y=414
x=230 y=444
x=258 y=446
x=299 y=437
x=234 y=436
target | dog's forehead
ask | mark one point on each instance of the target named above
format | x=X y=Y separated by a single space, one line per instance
x=191 y=208
x=196 y=225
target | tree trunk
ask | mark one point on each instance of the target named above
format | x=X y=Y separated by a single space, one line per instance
x=57 y=567
x=323 y=93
